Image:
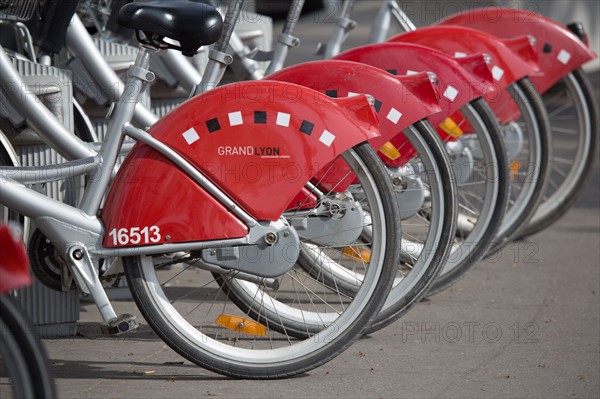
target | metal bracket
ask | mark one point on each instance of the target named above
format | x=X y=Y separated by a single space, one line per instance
x=288 y=40
x=346 y=23
x=141 y=73
x=220 y=57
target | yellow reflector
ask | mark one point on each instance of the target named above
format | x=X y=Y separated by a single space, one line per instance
x=240 y=324
x=450 y=127
x=357 y=253
x=390 y=151
x=515 y=166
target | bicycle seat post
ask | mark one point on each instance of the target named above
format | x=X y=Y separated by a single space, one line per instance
x=218 y=57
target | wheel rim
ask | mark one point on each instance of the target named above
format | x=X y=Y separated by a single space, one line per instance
x=570 y=146
x=525 y=182
x=477 y=198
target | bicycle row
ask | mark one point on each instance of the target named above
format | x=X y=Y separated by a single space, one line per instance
x=263 y=226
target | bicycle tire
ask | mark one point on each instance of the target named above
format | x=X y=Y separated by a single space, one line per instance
x=29 y=370
x=402 y=299
x=558 y=200
x=292 y=357
x=495 y=175
x=525 y=199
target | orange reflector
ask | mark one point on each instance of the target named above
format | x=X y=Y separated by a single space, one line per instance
x=240 y=324
x=450 y=127
x=515 y=166
x=390 y=151
x=357 y=253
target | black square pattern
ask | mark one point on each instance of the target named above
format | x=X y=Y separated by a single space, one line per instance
x=378 y=105
x=213 y=125
x=306 y=127
x=260 y=117
x=331 y=93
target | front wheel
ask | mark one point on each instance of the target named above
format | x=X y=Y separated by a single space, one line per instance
x=22 y=358
x=285 y=328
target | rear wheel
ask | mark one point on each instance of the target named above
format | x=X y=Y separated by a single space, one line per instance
x=483 y=192
x=293 y=324
x=428 y=236
x=570 y=101
x=528 y=141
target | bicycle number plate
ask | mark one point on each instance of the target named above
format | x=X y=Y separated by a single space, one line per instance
x=135 y=235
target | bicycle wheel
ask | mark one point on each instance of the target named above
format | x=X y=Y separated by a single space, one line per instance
x=192 y=312
x=482 y=170
x=23 y=361
x=428 y=235
x=528 y=141
x=426 y=196
x=569 y=101
x=480 y=163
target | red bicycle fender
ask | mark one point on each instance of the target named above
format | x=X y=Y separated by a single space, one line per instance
x=14 y=264
x=559 y=51
x=260 y=142
x=400 y=101
x=457 y=85
x=511 y=60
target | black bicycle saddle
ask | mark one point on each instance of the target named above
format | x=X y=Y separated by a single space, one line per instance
x=192 y=24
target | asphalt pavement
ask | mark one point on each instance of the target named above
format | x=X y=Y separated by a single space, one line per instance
x=524 y=324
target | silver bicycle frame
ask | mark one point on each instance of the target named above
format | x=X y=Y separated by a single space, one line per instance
x=381 y=27
x=37 y=115
x=81 y=45
x=78 y=232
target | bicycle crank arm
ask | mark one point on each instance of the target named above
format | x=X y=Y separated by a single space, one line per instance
x=86 y=275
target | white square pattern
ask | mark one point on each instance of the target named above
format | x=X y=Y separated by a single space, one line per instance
x=190 y=136
x=283 y=119
x=460 y=54
x=235 y=118
x=326 y=138
x=451 y=93
x=564 y=56
x=394 y=115
x=497 y=72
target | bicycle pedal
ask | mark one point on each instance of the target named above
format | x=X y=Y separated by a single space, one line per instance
x=122 y=324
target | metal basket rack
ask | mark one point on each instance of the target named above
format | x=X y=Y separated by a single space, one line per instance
x=18 y=10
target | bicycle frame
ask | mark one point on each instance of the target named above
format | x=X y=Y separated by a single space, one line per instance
x=78 y=233
x=381 y=27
